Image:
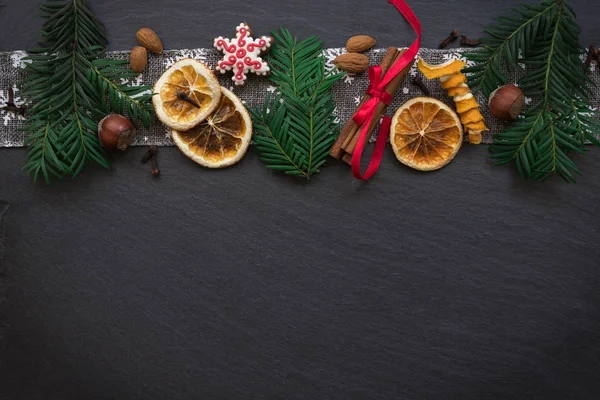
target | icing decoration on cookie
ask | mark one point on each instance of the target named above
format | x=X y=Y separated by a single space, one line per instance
x=242 y=54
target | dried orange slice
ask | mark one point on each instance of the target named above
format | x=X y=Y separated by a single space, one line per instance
x=186 y=94
x=425 y=134
x=221 y=140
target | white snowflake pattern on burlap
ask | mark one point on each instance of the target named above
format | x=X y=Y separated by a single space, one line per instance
x=242 y=54
x=196 y=54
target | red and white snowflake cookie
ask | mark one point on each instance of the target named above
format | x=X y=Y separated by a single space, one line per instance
x=242 y=54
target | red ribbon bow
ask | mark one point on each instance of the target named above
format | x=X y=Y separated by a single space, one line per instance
x=376 y=89
x=377 y=95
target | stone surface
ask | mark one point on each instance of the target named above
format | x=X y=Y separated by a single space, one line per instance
x=466 y=283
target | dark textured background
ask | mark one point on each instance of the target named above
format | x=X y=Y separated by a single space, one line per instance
x=465 y=283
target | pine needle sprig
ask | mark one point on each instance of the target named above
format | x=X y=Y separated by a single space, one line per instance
x=509 y=38
x=559 y=120
x=67 y=84
x=276 y=147
x=134 y=100
x=296 y=128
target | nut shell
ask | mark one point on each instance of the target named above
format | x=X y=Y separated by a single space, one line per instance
x=352 y=62
x=360 y=43
x=150 y=40
x=138 y=59
x=115 y=132
x=507 y=102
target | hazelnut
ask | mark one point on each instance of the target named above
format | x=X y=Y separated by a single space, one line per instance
x=115 y=132
x=507 y=102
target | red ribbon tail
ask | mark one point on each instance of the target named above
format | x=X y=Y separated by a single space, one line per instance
x=380 y=143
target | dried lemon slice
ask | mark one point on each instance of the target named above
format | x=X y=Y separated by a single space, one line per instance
x=221 y=140
x=186 y=94
x=425 y=134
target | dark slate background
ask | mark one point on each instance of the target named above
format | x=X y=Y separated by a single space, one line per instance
x=466 y=283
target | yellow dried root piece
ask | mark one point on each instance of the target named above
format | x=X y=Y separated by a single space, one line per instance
x=455 y=83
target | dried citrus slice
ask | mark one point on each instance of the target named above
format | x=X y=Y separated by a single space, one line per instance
x=425 y=134
x=186 y=94
x=222 y=139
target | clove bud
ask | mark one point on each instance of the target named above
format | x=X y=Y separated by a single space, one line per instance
x=151 y=156
x=154 y=167
x=466 y=41
x=183 y=96
x=453 y=36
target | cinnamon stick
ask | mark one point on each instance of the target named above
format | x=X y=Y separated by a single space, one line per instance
x=350 y=129
x=391 y=88
x=389 y=59
x=350 y=145
x=347 y=158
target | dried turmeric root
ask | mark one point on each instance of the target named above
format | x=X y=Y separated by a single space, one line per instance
x=455 y=83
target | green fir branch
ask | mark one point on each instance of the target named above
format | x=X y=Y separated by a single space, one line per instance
x=502 y=45
x=275 y=146
x=43 y=157
x=135 y=100
x=67 y=85
x=296 y=129
x=559 y=121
